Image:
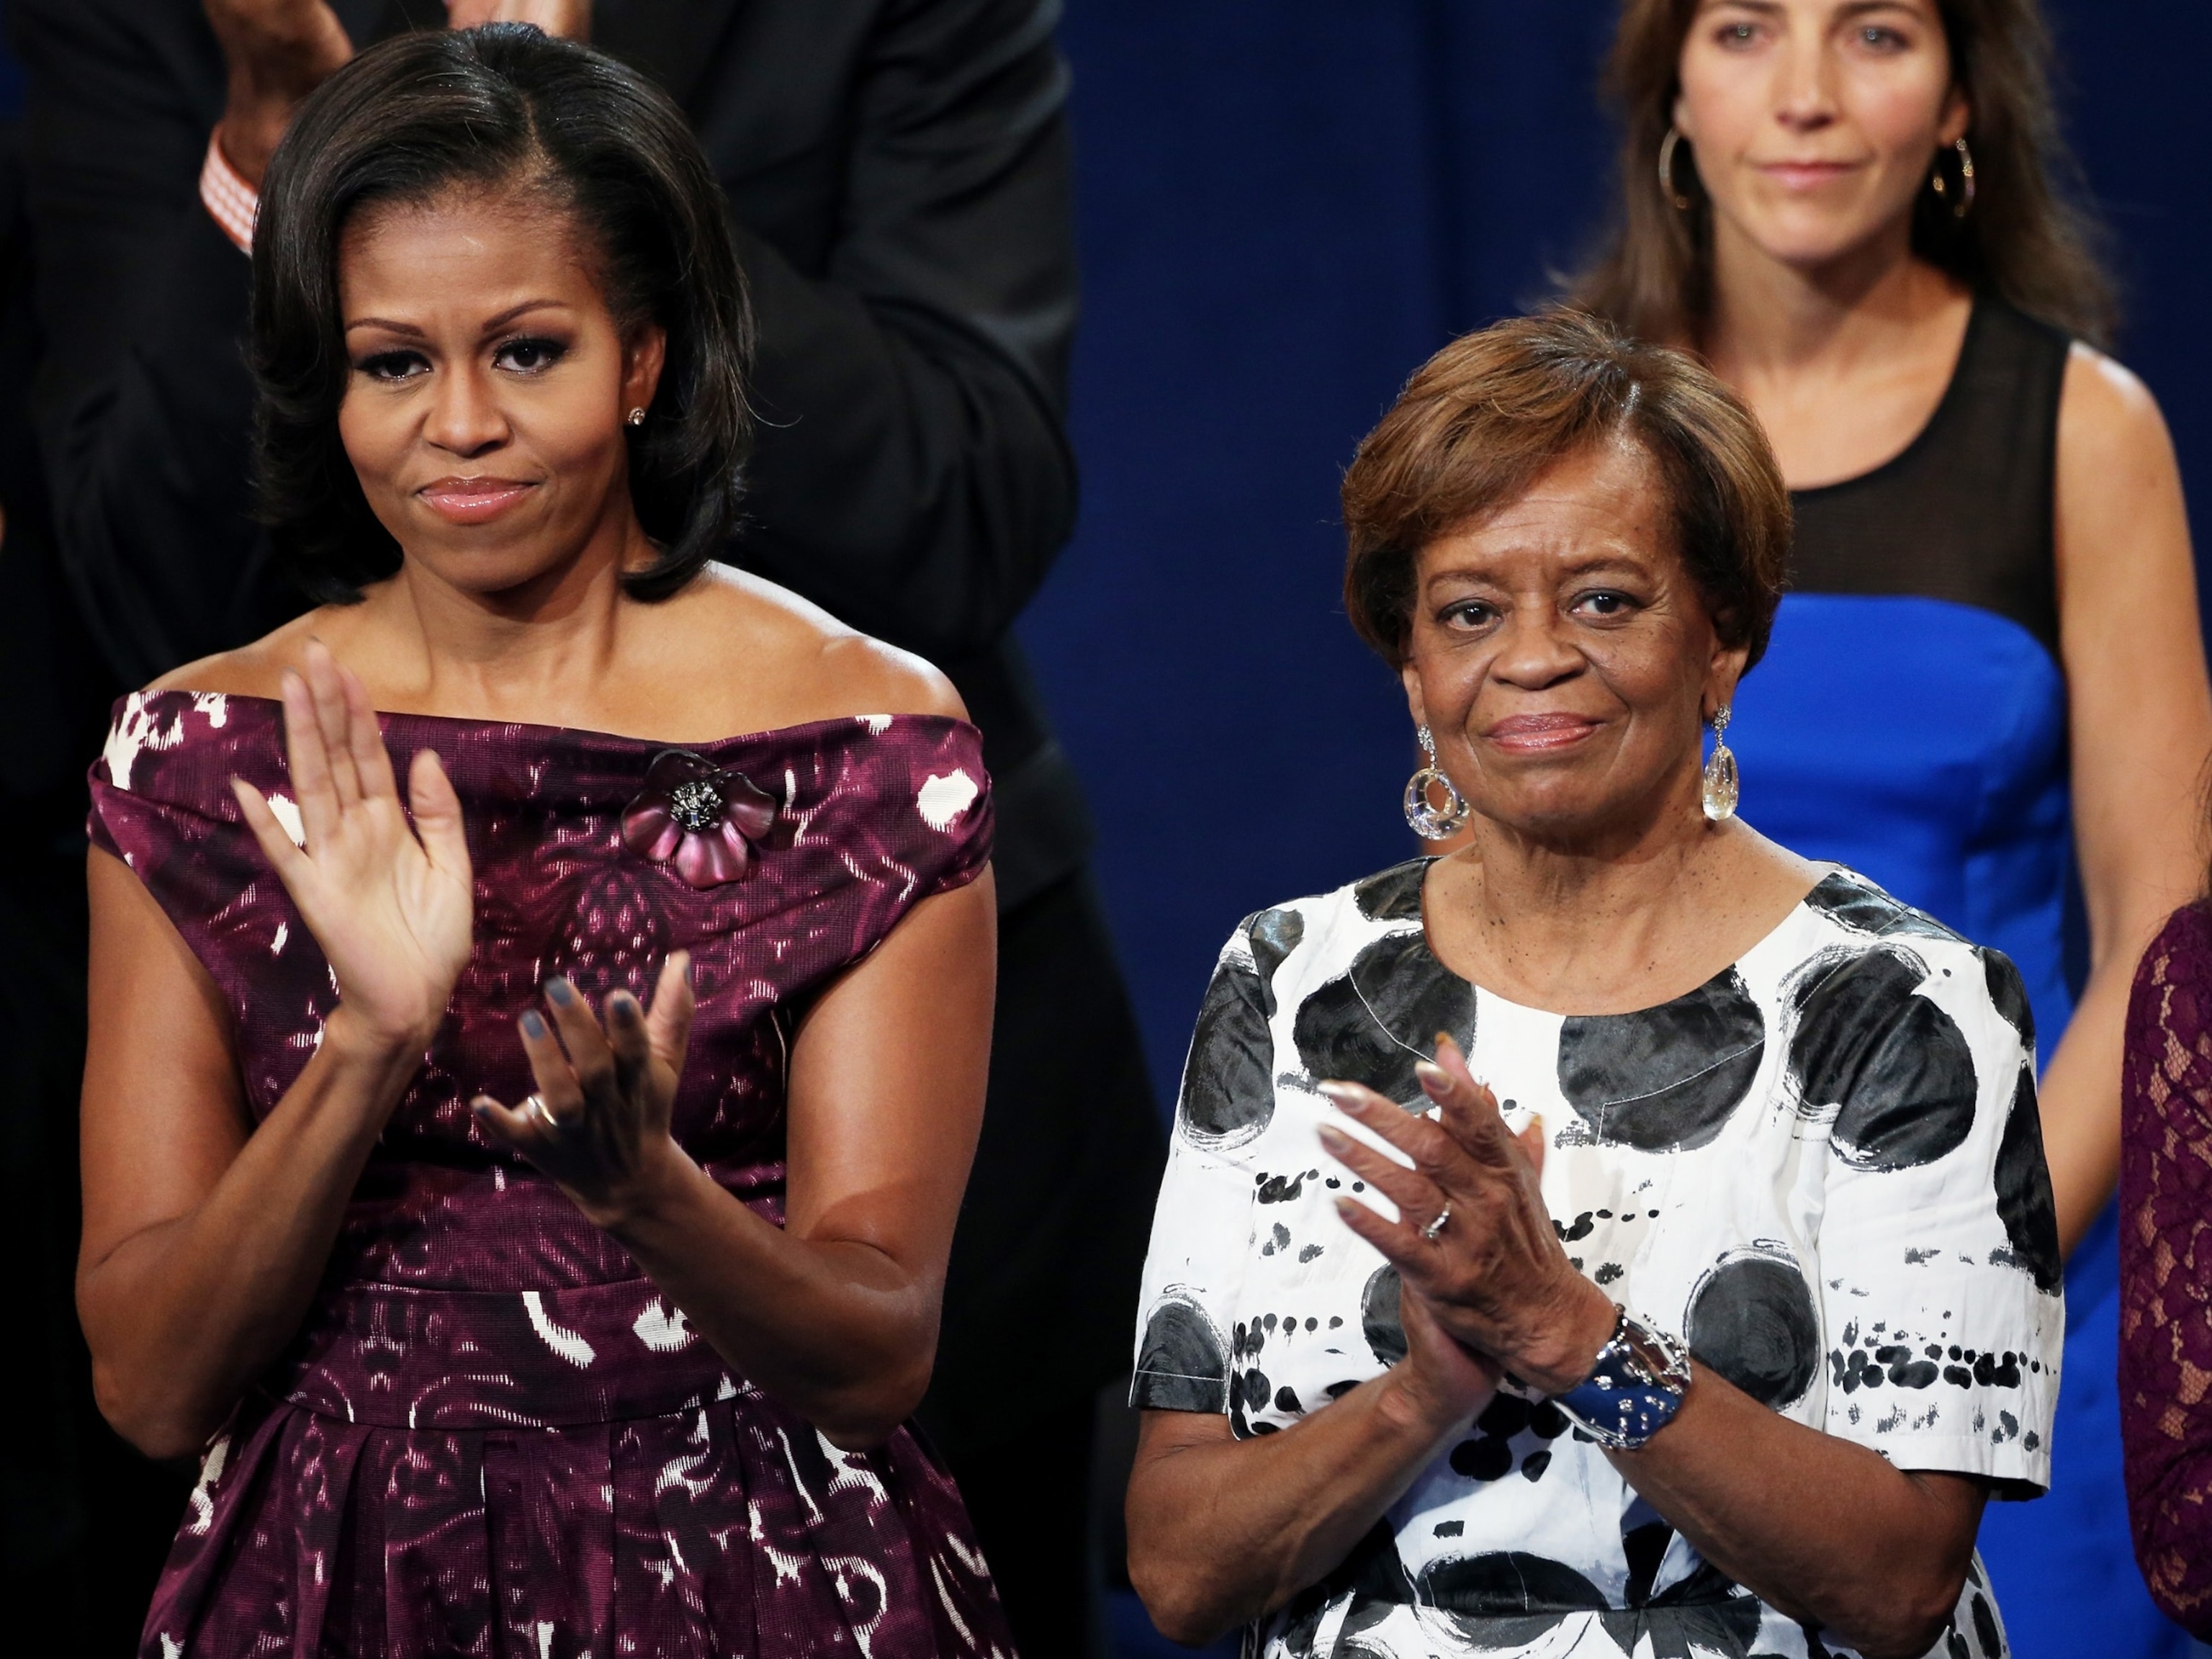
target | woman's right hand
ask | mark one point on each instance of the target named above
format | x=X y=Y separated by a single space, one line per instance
x=391 y=905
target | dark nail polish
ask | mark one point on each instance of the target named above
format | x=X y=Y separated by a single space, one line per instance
x=561 y=991
x=531 y=1025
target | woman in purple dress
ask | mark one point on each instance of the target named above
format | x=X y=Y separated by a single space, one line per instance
x=530 y=1192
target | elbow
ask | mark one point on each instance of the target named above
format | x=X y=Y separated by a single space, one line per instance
x=863 y=1417
x=1908 y=1620
x=1178 y=1608
x=1172 y=1582
x=152 y=1421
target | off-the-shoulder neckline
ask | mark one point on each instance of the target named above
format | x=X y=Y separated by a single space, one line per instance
x=870 y=721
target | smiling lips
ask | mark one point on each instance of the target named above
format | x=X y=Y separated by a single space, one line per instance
x=473 y=501
x=1806 y=175
x=1538 y=734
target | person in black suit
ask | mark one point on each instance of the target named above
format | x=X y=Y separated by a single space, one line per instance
x=899 y=174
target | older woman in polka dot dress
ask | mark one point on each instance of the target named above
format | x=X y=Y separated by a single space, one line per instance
x=1620 y=1231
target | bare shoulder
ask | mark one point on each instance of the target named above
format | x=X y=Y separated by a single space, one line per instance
x=255 y=670
x=2105 y=410
x=750 y=633
x=2120 y=521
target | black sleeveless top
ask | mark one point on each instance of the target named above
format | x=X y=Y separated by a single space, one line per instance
x=1963 y=512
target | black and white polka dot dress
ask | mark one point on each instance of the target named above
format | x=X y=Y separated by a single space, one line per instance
x=1822 y=1170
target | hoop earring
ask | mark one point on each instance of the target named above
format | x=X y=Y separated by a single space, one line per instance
x=636 y=417
x=1668 y=187
x=1721 y=788
x=1965 y=204
x=1431 y=822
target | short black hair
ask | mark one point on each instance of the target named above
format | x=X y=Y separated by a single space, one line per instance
x=500 y=104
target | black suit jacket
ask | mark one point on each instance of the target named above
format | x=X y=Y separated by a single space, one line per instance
x=899 y=173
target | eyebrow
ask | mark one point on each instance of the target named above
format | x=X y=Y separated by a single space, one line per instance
x=1773 y=7
x=491 y=326
x=1588 y=564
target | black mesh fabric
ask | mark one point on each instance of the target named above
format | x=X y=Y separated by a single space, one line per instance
x=1963 y=512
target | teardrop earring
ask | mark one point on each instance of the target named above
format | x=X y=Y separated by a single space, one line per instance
x=1722 y=786
x=1430 y=821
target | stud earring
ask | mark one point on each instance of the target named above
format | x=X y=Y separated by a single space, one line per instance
x=1721 y=785
x=637 y=417
x=1430 y=821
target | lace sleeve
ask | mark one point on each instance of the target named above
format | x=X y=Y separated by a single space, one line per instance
x=2166 y=1267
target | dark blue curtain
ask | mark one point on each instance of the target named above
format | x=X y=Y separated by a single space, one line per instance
x=1284 y=207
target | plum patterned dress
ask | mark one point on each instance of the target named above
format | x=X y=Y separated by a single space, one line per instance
x=492 y=1437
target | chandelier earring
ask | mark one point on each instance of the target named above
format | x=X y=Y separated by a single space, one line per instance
x=1668 y=187
x=1432 y=822
x=1721 y=785
x=1943 y=186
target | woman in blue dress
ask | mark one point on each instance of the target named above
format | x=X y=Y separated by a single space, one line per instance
x=1987 y=679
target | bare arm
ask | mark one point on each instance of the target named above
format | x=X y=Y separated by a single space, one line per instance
x=1819 y=1529
x=1224 y=1531
x=204 y=1237
x=835 y=1312
x=2140 y=715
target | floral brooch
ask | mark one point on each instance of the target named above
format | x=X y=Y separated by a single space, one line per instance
x=699 y=817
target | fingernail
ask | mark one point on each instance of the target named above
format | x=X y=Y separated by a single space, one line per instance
x=1334 y=1140
x=531 y=1025
x=560 y=990
x=480 y=1105
x=622 y=1005
x=1341 y=1094
x=1444 y=1041
x=1435 y=1080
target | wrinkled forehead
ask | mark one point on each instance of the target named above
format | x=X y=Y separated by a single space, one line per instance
x=1607 y=505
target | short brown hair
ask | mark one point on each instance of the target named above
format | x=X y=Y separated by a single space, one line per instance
x=1481 y=420
x=2030 y=239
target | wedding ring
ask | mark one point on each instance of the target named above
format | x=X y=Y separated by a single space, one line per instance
x=535 y=1108
x=1430 y=1231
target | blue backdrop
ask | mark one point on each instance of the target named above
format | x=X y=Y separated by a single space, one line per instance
x=1285 y=206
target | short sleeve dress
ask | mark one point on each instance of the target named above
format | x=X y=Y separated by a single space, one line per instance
x=493 y=1437
x=1821 y=1170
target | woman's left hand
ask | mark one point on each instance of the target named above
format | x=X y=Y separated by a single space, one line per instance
x=600 y=1126
x=1495 y=1274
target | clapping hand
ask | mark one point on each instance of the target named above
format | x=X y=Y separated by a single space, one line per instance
x=391 y=905
x=1492 y=1273
x=598 y=1123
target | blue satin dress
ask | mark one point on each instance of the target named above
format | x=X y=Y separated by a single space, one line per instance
x=1910 y=721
